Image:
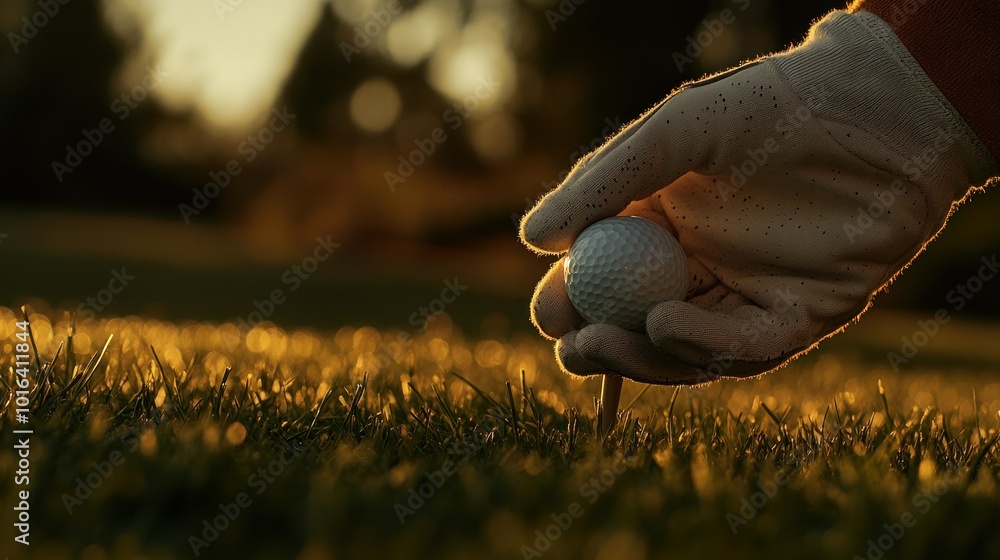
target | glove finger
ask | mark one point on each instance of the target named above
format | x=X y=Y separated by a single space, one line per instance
x=570 y=359
x=633 y=355
x=702 y=279
x=719 y=298
x=551 y=310
x=554 y=315
x=744 y=341
x=651 y=208
x=647 y=155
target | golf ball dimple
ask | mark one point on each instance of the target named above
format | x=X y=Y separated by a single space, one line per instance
x=620 y=268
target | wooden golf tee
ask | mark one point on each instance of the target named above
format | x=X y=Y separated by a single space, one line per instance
x=611 y=392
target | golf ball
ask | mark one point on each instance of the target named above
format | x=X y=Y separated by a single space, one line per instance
x=619 y=269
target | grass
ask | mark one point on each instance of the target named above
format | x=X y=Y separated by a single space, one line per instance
x=137 y=448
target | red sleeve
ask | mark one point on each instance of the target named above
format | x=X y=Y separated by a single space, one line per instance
x=957 y=43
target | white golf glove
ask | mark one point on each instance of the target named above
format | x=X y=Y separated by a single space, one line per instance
x=799 y=185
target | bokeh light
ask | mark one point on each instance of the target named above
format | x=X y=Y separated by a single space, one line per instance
x=477 y=72
x=496 y=138
x=228 y=64
x=414 y=35
x=354 y=11
x=375 y=105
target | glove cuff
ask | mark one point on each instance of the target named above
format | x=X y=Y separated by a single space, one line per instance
x=867 y=78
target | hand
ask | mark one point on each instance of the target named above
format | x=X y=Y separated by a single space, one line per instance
x=799 y=185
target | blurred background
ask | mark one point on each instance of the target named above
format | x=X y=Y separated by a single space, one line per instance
x=205 y=145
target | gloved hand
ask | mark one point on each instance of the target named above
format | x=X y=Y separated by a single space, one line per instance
x=799 y=185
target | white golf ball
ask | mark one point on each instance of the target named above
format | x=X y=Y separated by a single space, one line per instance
x=620 y=268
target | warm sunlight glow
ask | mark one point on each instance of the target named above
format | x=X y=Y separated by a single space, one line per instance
x=375 y=105
x=459 y=71
x=496 y=138
x=225 y=60
x=481 y=54
x=415 y=34
x=355 y=11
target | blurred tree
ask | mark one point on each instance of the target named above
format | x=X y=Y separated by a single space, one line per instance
x=569 y=73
